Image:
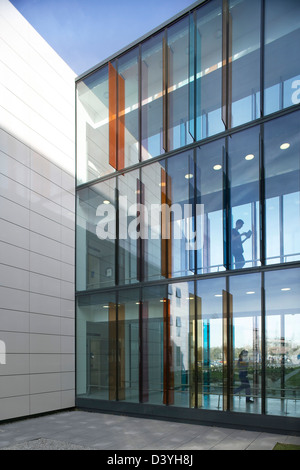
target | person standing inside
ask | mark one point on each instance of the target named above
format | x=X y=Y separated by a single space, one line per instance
x=237 y=244
x=243 y=376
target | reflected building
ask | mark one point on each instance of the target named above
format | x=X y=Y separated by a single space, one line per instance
x=180 y=136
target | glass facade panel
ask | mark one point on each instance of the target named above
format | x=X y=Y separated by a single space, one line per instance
x=178 y=74
x=207 y=42
x=178 y=226
x=181 y=345
x=245 y=302
x=282 y=189
x=210 y=343
x=282 y=54
x=244 y=71
x=129 y=345
x=243 y=176
x=153 y=96
x=128 y=109
x=96 y=236
x=282 y=342
x=154 y=195
x=155 y=357
x=129 y=191
x=93 y=127
x=209 y=224
x=96 y=346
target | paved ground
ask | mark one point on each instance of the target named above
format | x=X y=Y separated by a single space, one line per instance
x=76 y=430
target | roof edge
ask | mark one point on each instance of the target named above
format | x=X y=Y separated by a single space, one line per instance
x=139 y=40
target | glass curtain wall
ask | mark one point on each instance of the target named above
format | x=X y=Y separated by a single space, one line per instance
x=188 y=226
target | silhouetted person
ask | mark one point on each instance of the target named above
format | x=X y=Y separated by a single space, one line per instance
x=237 y=243
x=243 y=376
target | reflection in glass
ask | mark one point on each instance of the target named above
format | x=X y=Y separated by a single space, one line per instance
x=246 y=349
x=152 y=97
x=209 y=226
x=96 y=347
x=154 y=248
x=128 y=345
x=207 y=43
x=180 y=194
x=154 y=356
x=93 y=127
x=245 y=65
x=210 y=354
x=96 y=234
x=282 y=189
x=129 y=196
x=282 y=54
x=243 y=159
x=178 y=72
x=128 y=112
x=181 y=344
x=282 y=342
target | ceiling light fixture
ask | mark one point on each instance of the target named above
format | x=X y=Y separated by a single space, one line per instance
x=285 y=146
x=286 y=288
x=189 y=176
x=217 y=167
x=250 y=292
x=249 y=157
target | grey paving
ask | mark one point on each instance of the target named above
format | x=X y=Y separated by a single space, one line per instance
x=82 y=430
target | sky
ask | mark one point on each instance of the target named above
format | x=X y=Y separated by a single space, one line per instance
x=86 y=32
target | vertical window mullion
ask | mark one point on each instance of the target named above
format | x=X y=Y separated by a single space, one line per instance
x=165 y=91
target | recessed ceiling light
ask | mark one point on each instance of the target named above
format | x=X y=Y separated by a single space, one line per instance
x=249 y=157
x=218 y=295
x=285 y=146
x=189 y=176
x=105 y=306
x=217 y=167
x=286 y=288
x=250 y=292
x=106 y=201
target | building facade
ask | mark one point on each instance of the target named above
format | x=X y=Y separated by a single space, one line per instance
x=188 y=228
x=37 y=222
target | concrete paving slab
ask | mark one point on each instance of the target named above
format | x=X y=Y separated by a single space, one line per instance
x=100 y=431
